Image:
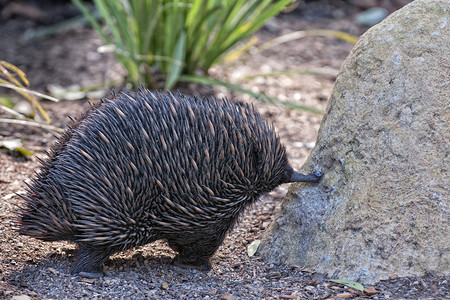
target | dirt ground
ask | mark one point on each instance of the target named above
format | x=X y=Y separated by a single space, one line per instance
x=40 y=270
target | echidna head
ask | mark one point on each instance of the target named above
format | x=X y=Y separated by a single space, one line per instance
x=273 y=166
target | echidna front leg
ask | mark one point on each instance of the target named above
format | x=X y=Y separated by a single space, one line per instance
x=90 y=261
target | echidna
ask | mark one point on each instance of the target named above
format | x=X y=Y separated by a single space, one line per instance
x=139 y=167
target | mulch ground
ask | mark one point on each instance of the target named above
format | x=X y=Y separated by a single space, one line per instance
x=39 y=270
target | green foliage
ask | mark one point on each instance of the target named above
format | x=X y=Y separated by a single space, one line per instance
x=173 y=37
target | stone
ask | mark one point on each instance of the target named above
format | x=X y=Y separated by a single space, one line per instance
x=382 y=206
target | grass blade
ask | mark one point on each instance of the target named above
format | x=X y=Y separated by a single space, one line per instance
x=92 y=19
x=237 y=88
x=176 y=66
x=306 y=33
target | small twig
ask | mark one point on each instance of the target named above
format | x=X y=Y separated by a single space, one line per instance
x=31 y=123
x=10 y=86
x=11 y=111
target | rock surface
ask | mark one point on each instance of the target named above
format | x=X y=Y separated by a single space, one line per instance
x=382 y=207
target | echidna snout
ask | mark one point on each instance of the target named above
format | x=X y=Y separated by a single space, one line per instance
x=299 y=177
x=140 y=167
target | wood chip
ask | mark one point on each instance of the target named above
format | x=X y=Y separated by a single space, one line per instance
x=306 y=270
x=370 y=290
x=355 y=292
x=87 y=280
x=344 y=296
x=227 y=296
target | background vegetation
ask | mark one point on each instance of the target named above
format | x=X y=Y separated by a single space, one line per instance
x=163 y=39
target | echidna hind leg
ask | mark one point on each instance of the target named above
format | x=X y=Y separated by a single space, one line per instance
x=90 y=261
x=196 y=254
x=200 y=263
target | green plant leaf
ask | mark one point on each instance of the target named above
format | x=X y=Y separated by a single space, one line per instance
x=177 y=65
x=24 y=152
x=356 y=285
x=45 y=31
x=91 y=18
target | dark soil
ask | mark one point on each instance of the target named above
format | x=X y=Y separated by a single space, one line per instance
x=40 y=270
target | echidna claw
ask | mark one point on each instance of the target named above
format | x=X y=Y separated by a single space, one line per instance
x=91 y=275
x=202 y=265
x=318 y=174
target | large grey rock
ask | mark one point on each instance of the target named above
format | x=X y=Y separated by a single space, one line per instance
x=382 y=207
